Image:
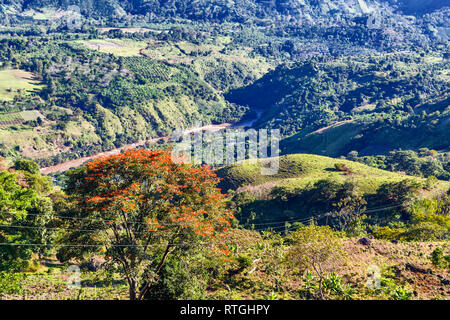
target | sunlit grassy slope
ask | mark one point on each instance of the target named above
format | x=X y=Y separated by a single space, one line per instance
x=297 y=171
x=13 y=80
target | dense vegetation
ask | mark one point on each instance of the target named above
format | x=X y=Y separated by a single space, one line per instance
x=94 y=101
x=345 y=194
x=106 y=222
x=125 y=85
x=371 y=105
x=363 y=82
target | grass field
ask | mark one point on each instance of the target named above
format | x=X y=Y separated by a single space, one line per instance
x=14 y=80
x=300 y=170
x=118 y=47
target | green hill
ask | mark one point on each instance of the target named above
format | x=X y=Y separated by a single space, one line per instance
x=376 y=136
x=300 y=170
x=369 y=104
x=311 y=185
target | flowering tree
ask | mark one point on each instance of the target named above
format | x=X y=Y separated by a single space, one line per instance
x=138 y=207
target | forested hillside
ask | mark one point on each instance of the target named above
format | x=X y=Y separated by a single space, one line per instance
x=90 y=101
x=98 y=94
x=370 y=105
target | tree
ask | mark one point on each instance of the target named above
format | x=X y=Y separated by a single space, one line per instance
x=25 y=212
x=138 y=208
x=425 y=231
x=14 y=202
x=27 y=165
x=349 y=214
x=399 y=192
x=318 y=248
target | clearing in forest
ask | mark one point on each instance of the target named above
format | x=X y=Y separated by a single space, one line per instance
x=117 y=47
x=13 y=81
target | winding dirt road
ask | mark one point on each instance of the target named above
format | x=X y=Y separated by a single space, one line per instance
x=62 y=167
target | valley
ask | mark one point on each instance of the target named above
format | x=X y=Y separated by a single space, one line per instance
x=351 y=201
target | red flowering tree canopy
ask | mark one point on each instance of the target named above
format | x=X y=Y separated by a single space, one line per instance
x=138 y=206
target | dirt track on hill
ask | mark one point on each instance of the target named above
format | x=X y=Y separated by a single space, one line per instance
x=62 y=167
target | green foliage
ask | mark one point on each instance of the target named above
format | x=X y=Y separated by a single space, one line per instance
x=244 y=261
x=435 y=211
x=317 y=249
x=394 y=291
x=427 y=163
x=11 y=283
x=388 y=233
x=439 y=260
x=399 y=192
x=25 y=214
x=426 y=231
x=334 y=286
x=15 y=200
x=27 y=165
x=180 y=279
x=350 y=216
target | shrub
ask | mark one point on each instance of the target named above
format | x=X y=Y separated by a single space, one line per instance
x=316 y=248
x=387 y=233
x=335 y=286
x=179 y=280
x=395 y=292
x=27 y=165
x=439 y=260
x=244 y=261
x=342 y=167
x=11 y=283
x=425 y=231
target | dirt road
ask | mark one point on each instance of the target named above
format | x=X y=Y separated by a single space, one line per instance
x=62 y=167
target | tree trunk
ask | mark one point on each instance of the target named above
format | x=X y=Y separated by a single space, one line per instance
x=132 y=289
x=321 y=289
x=158 y=269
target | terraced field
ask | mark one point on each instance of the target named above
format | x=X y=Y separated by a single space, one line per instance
x=118 y=47
x=8 y=119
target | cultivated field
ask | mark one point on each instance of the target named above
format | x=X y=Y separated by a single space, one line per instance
x=118 y=47
x=13 y=81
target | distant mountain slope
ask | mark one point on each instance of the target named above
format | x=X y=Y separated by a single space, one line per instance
x=377 y=136
x=238 y=10
x=393 y=101
x=222 y=9
x=419 y=7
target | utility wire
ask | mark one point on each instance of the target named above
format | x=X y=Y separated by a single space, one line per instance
x=150 y=224
x=316 y=218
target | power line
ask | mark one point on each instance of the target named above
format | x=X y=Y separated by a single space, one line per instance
x=40 y=228
x=316 y=218
x=149 y=224
x=274 y=223
x=383 y=209
x=286 y=221
x=96 y=245
x=322 y=216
